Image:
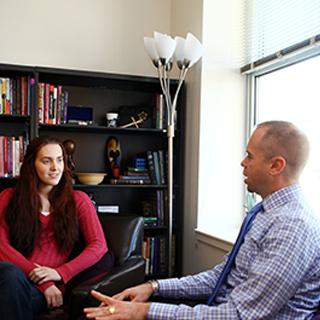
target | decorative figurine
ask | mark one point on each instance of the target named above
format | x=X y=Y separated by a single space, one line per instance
x=70 y=147
x=113 y=157
x=142 y=116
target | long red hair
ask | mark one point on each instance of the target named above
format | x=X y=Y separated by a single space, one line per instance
x=22 y=213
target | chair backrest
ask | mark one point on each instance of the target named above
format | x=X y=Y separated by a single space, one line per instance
x=124 y=235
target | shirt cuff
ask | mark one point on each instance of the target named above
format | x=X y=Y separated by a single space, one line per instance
x=42 y=287
x=168 y=287
x=161 y=311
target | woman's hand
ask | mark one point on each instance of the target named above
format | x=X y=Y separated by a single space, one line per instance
x=41 y=275
x=139 y=293
x=115 y=309
x=53 y=297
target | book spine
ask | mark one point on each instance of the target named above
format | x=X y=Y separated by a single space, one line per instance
x=129 y=181
x=1 y=157
x=59 y=105
x=14 y=96
x=30 y=81
x=50 y=105
x=162 y=256
x=3 y=94
x=17 y=157
x=156 y=166
x=162 y=167
x=40 y=102
x=65 y=106
x=8 y=96
x=55 y=105
x=24 y=95
x=151 y=167
x=18 y=83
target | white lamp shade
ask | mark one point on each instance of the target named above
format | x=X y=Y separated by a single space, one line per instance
x=165 y=45
x=179 y=52
x=150 y=46
x=193 y=49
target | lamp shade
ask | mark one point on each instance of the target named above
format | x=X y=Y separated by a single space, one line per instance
x=165 y=45
x=193 y=49
x=179 y=52
x=150 y=46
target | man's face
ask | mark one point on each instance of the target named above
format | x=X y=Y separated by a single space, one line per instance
x=255 y=166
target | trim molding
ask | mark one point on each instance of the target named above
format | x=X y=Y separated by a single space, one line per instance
x=213 y=241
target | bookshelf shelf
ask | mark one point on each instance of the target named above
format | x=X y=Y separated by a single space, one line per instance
x=120 y=186
x=14 y=118
x=102 y=129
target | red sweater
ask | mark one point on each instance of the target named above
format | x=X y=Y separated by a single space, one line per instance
x=46 y=252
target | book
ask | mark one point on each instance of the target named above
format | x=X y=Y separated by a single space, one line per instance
x=150 y=221
x=134 y=177
x=130 y=181
x=162 y=166
x=108 y=208
x=156 y=166
x=1 y=156
x=151 y=167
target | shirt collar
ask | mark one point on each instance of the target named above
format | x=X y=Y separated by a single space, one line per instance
x=282 y=196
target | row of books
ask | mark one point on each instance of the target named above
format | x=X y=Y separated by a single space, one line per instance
x=157 y=163
x=15 y=95
x=12 y=150
x=133 y=176
x=52 y=104
x=155 y=254
x=154 y=208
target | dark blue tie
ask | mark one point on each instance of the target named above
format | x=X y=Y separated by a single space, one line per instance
x=247 y=222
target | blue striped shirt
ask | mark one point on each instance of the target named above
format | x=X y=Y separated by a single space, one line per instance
x=276 y=273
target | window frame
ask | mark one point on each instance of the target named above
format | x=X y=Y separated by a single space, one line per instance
x=252 y=80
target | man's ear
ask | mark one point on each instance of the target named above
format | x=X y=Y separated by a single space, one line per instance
x=278 y=165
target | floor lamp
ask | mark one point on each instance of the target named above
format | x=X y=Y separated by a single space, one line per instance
x=163 y=50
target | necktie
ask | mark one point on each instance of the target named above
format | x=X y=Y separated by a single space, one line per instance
x=247 y=222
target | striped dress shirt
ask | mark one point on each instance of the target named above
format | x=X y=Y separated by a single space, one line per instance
x=276 y=274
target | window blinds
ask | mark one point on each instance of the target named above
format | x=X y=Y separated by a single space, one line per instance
x=275 y=28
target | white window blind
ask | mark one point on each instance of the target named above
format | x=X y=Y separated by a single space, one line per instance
x=275 y=25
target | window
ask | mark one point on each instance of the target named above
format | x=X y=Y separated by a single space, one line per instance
x=291 y=93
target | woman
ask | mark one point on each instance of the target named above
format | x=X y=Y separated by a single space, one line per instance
x=40 y=221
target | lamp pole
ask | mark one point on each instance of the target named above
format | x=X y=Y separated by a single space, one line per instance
x=186 y=52
x=163 y=71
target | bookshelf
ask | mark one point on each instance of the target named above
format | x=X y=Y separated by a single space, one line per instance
x=127 y=95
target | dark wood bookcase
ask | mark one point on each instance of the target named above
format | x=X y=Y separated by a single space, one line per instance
x=105 y=92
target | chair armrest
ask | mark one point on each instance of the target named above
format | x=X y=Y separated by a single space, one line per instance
x=129 y=274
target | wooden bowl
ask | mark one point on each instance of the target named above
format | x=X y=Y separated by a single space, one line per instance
x=91 y=178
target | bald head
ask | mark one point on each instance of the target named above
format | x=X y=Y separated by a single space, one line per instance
x=282 y=138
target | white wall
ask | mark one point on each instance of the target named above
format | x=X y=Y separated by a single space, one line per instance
x=222 y=133
x=215 y=132
x=102 y=35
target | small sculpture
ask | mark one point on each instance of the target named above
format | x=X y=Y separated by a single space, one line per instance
x=70 y=147
x=113 y=157
x=142 y=116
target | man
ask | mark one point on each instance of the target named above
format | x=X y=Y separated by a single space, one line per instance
x=276 y=272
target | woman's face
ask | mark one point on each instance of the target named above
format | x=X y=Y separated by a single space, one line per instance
x=49 y=165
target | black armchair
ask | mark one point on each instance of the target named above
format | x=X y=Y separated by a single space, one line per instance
x=124 y=234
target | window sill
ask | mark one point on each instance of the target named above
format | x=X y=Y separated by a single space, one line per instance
x=223 y=242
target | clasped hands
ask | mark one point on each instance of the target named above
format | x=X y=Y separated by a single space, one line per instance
x=128 y=304
x=53 y=294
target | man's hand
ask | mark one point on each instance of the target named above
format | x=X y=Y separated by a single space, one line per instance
x=116 y=310
x=53 y=297
x=41 y=274
x=139 y=293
